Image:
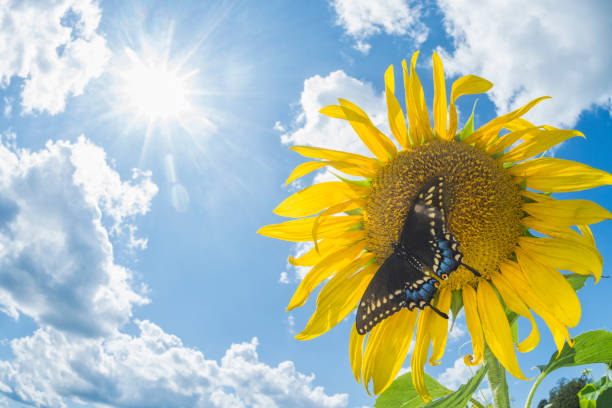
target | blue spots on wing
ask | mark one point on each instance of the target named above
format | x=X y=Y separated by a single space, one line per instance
x=424 y=292
x=445 y=245
x=447 y=251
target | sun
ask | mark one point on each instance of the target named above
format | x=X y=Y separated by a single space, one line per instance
x=156 y=92
x=153 y=90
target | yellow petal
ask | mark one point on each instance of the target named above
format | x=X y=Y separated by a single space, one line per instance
x=374 y=139
x=565 y=213
x=589 y=239
x=417 y=101
x=558 y=176
x=487 y=132
x=518 y=124
x=356 y=352
x=334 y=209
x=333 y=111
x=367 y=163
x=419 y=355
x=466 y=85
x=551 y=286
x=563 y=254
x=514 y=303
x=413 y=135
x=397 y=122
x=326 y=247
x=352 y=169
x=508 y=140
x=440 y=111
x=585 y=240
x=496 y=328
x=544 y=140
x=323 y=270
x=339 y=297
x=316 y=198
x=439 y=327
x=301 y=230
x=515 y=277
x=346 y=168
x=386 y=349
x=305 y=168
x=586 y=232
x=474 y=327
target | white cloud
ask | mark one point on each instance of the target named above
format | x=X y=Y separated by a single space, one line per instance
x=56 y=258
x=8 y=107
x=300 y=249
x=57 y=266
x=362 y=46
x=457 y=375
x=315 y=129
x=458 y=331
x=53 y=46
x=283 y=278
x=402 y=371
x=291 y=323
x=152 y=369
x=453 y=377
x=362 y=19
x=459 y=328
x=278 y=126
x=530 y=49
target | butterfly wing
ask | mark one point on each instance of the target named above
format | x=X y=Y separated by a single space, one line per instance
x=425 y=232
x=425 y=242
x=397 y=283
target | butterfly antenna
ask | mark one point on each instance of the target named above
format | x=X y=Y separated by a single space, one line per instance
x=468 y=267
x=444 y=315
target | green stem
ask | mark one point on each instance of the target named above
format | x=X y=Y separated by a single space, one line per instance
x=496 y=375
x=533 y=389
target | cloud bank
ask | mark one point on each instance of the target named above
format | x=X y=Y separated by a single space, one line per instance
x=362 y=19
x=151 y=369
x=53 y=46
x=62 y=210
x=530 y=49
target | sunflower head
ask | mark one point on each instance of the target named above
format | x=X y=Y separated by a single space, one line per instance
x=391 y=247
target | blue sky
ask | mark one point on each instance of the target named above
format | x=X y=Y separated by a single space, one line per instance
x=130 y=270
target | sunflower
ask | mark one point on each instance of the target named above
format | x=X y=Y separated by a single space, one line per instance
x=499 y=209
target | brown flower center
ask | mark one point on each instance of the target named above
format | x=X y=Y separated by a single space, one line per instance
x=484 y=208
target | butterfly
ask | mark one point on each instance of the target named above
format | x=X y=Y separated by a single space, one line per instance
x=425 y=244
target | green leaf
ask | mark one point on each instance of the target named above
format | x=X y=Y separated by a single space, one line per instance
x=403 y=394
x=356 y=227
x=468 y=129
x=590 y=347
x=577 y=281
x=588 y=396
x=460 y=397
x=597 y=394
x=354 y=211
x=360 y=183
x=456 y=305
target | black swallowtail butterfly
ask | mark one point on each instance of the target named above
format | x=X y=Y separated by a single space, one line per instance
x=425 y=244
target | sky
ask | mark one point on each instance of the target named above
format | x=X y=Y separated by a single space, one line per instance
x=143 y=143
